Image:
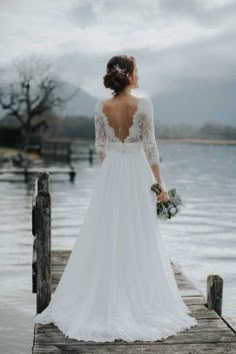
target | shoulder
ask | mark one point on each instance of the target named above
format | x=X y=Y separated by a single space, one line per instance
x=100 y=103
x=98 y=106
x=144 y=101
x=111 y=103
x=146 y=104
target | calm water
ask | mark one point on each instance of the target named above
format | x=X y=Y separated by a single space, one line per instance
x=202 y=239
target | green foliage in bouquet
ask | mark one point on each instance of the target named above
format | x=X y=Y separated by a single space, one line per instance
x=166 y=210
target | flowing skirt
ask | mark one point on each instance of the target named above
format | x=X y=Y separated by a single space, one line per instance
x=118 y=282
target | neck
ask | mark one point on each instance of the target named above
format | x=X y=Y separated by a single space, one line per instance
x=125 y=92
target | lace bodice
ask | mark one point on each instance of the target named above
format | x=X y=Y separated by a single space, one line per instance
x=141 y=129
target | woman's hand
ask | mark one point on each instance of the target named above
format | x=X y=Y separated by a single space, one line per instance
x=163 y=196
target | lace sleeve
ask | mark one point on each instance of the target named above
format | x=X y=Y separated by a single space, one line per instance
x=100 y=136
x=148 y=135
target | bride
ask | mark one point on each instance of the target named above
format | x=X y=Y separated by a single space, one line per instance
x=118 y=282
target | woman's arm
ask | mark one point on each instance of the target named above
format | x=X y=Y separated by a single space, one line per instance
x=100 y=136
x=151 y=149
x=157 y=173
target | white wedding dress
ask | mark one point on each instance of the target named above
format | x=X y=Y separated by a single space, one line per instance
x=118 y=282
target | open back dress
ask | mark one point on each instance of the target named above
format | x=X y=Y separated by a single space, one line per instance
x=118 y=282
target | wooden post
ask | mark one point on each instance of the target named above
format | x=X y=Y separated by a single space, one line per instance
x=43 y=181
x=90 y=155
x=34 y=261
x=26 y=174
x=41 y=229
x=214 y=293
x=72 y=173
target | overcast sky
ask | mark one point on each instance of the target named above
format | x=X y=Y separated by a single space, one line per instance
x=177 y=44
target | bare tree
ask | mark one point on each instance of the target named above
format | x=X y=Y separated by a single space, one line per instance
x=27 y=90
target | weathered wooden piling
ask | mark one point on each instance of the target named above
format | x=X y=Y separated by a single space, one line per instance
x=72 y=173
x=213 y=333
x=91 y=152
x=41 y=229
x=214 y=292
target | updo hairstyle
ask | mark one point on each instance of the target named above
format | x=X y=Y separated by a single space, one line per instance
x=119 y=70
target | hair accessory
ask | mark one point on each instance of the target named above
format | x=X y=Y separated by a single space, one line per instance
x=118 y=68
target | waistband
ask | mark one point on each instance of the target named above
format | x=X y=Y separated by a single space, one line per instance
x=133 y=147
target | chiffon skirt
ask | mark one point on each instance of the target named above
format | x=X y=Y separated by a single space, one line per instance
x=118 y=282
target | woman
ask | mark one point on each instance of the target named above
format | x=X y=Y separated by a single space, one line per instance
x=118 y=282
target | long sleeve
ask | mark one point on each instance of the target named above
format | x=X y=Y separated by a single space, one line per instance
x=100 y=136
x=148 y=135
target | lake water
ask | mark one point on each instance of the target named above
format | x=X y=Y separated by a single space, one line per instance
x=201 y=239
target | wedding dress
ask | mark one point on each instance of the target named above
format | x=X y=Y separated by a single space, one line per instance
x=118 y=282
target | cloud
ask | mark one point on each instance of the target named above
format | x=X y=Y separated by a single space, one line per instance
x=174 y=42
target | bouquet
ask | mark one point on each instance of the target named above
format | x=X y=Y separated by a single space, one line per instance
x=168 y=209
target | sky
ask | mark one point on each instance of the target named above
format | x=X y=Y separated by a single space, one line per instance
x=185 y=50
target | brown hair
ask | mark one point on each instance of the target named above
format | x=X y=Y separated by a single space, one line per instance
x=118 y=79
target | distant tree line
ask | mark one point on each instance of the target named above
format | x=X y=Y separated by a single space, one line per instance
x=83 y=127
x=208 y=130
x=218 y=131
x=74 y=127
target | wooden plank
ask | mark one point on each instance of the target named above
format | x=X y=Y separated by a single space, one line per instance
x=50 y=170
x=211 y=348
x=52 y=336
x=203 y=325
x=211 y=335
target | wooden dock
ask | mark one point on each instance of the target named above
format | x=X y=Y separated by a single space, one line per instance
x=56 y=148
x=26 y=172
x=213 y=334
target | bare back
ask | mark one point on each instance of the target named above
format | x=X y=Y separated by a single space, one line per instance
x=125 y=121
x=119 y=114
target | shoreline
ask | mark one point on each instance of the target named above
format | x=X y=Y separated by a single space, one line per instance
x=178 y=141
x=7 y=151
x=197 y=141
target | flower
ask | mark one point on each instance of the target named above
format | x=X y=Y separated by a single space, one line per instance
x=116 y=67
x=173 y=211
x=166 y=210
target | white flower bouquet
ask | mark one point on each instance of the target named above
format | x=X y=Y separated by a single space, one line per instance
x=166 y=210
